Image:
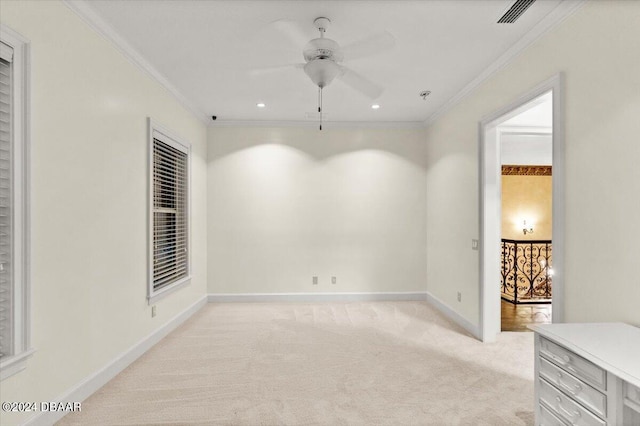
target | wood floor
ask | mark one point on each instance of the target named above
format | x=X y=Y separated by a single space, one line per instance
x=518 y=317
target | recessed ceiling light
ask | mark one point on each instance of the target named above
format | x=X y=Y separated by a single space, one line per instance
x=261 y=105
x=375 y=106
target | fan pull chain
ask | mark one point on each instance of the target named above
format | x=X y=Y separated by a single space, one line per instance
x=320 y=105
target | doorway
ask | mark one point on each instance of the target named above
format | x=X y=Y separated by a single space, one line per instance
x=526 y=244
x=510 y=124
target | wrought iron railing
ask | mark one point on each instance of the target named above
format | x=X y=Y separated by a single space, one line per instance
x=526 y=272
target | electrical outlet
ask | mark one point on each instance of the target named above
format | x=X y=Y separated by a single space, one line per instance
x=314 y=280
x=334 y=280
x=153 y=311
x=459 y=297
x=474 y=244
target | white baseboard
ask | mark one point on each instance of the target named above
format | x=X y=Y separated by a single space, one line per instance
x=453 y=315
x=89 y=385
x=315 y=297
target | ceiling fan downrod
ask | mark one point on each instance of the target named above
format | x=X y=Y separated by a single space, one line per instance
x=322 y=24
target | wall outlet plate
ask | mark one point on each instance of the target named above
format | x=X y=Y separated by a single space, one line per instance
x=153 y=311
x=334 y=280
x=459 y=297
x=475 y=244
x=314 y=280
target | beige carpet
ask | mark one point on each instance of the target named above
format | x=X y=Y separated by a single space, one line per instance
x=380 y=363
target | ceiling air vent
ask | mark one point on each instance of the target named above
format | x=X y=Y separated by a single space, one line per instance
x=515 y=11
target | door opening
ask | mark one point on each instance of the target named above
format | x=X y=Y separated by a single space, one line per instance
x=526 y=236
x=502 y=141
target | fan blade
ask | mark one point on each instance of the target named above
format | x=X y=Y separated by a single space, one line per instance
x=293 y=31
x=359 y=83
x=369 y=46
x=271 y=70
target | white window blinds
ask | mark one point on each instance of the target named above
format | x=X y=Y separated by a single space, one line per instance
x=6 y=208
x=170 y=212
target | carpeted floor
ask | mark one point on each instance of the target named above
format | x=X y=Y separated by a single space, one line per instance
x=373 y=363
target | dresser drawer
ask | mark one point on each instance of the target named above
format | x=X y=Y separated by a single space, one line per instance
x=565 y=408
x=577 y=389
x=576 y=365
x=547 y=418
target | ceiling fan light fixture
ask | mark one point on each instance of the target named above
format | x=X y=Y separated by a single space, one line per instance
x=375 y=106
x=261 y=105
x=322 y=71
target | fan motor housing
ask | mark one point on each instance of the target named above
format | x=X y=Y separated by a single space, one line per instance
x=322 y=48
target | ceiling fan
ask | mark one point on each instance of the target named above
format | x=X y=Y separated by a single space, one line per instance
x=324 y=56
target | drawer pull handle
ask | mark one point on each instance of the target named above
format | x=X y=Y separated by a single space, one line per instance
x=567 y=414
x=573 y=390
x=564 y=361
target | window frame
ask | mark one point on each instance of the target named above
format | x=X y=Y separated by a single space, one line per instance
x=21 y=250
x=157 y=131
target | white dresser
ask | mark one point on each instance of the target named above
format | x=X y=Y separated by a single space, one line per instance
x=587 y=374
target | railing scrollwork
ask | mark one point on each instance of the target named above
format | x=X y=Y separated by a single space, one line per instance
x=526 y=272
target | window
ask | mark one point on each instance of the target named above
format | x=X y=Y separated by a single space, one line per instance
x=169 y=210
x=14 y=209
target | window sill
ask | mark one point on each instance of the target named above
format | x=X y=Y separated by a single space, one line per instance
x=15 y=364
x=168 y=290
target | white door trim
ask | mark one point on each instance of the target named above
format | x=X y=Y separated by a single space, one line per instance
x=490 y=214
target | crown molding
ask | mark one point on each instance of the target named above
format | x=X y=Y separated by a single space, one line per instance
x=326 y=125
x=565 y=9
x=99 y=25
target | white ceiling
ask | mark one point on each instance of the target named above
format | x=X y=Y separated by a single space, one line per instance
x=526 y=139
x=207 y=50
x=538 y=114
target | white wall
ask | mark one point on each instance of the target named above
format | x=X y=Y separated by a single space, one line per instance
x=289 y=203
x=596 y=49
x=89 y=202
